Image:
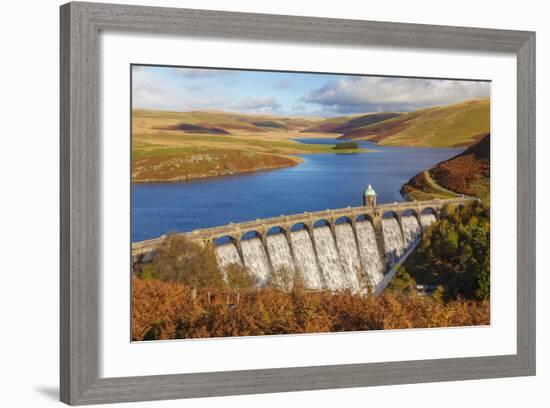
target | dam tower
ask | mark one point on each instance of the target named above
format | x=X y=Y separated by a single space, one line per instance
x=369 y=197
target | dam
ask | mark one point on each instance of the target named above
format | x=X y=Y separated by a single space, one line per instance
x=352 y=248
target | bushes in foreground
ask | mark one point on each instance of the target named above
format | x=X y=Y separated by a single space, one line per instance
x=163 y=310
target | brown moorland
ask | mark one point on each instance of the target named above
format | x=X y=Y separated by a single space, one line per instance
x=467 y=173
x=460 y=124
x=346 y=124
x=162 y=310
x=211 y=163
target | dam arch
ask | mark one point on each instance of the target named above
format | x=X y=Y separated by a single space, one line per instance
x=225 y=239
x=276 y=230
x=430 y=210
x=410 y=211
x=344 y=219
x=391 y=213
x=322 y=222
x=251 y=234
x=364 y=218
x=300 y=226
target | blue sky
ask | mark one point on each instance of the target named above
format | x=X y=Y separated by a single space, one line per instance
x=286 y=93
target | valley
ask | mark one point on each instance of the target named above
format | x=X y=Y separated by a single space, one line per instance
x=181 y=146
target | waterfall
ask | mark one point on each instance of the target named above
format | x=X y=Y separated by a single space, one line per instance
x=281 y=259
x=427 y=219
x=411 y=229
x=306 y=261
x=328 y=258
x=349 y=256
x=279 y=252
x=369 y=252
x=348 y=259
x=393 y=240
x=227 y=254
x=255 y=260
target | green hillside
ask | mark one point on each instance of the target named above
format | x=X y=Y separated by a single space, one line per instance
x=460 y=124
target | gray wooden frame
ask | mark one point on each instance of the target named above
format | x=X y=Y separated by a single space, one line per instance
x=80 y=234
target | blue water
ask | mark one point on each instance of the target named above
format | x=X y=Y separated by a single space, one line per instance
x=322 y=181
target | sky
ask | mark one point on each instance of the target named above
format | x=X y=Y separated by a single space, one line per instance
x=288 y=93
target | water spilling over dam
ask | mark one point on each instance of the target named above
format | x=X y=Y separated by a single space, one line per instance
x=342 y=257
x=351 y=248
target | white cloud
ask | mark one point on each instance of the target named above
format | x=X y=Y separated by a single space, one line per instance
x=367 y=94
x=154 y=90
x=176 y=88
x=257 y=104
x=151 y=91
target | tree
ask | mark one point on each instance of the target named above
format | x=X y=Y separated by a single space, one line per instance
x=238 y=278
x=455 y=254
x=346 y=145
x=283 y=279
x=449 y=243
x=182 y=261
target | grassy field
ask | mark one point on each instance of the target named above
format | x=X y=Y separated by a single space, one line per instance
x=172 y=146
x=455 y=125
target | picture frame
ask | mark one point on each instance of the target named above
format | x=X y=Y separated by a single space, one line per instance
x=80 y=236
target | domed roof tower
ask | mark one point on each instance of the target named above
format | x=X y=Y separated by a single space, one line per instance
x=369 y=198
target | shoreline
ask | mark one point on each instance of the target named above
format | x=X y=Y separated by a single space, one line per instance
x=298 y=161
x=296 y=158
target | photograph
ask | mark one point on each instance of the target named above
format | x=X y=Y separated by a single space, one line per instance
x=268 y=204
x=282 y=203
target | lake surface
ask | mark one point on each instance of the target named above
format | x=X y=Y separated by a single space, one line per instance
x=322 y=181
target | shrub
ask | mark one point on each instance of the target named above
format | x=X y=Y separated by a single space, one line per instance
x=182 y=261
x=238 y=278
x=455 y=253
x=162 y=310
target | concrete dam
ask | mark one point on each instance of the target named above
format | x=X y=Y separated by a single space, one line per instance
x=326 y=257
x=352 y=248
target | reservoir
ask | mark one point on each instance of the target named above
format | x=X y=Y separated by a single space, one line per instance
x=321 y=182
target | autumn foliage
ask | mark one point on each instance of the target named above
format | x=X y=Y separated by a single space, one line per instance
x=454 y=254
x=164 y=310
x=469 y=172
x=466 y=173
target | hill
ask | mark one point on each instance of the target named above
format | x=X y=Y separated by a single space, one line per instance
x=467 y=173
x=345 y=124
x=215 y=122
x=177 y=146
x=460 y=124
x=174 y=146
